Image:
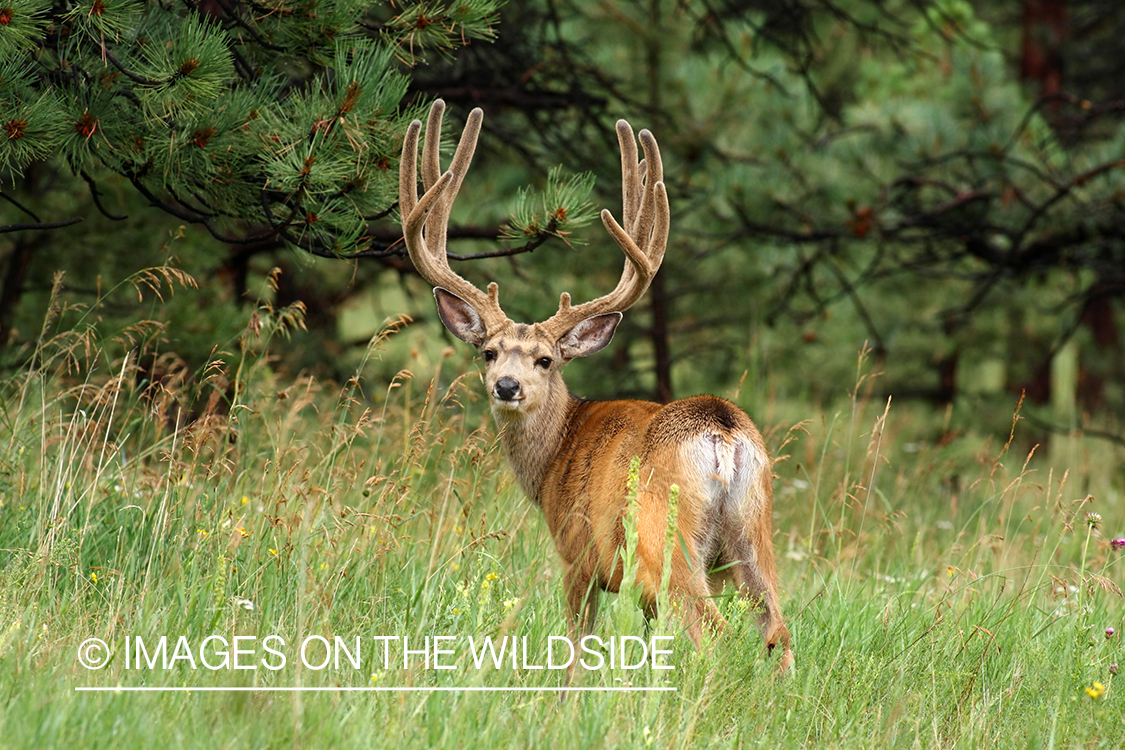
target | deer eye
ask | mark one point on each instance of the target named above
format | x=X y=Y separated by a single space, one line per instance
x=489 y=355
x=544 y=362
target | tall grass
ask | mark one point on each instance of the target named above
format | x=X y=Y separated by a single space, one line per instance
x=940 y=595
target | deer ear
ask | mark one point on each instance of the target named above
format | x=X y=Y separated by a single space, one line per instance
x=459 y=317
x=589 y=336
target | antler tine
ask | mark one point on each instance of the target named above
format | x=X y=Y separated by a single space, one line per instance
x=630 y=175
x=438 y=220
x=425 y=220
x=431 y=163
x=644 y=237
x=651 y=169
x=408 y=172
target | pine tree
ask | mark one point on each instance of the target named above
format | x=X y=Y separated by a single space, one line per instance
x=261 y=119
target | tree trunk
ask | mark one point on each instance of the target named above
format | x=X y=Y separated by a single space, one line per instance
x=1044 y=31
x=658 y=291
x=12 y=290
x=659 y=334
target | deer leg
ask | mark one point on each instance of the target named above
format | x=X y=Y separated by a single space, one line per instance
x=581 y=605
x=754 y=578
x=698 y=607
x=687 y=588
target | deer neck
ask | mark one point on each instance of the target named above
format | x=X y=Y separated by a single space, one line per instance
x=531 y=440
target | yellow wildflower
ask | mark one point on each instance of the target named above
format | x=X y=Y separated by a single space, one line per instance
x=1096 y=690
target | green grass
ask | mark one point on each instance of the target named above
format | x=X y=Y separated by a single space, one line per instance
x=939 y=595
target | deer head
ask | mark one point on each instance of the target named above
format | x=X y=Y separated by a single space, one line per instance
x=523 y=362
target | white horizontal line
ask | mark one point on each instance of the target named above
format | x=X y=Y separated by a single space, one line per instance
x=299 y=689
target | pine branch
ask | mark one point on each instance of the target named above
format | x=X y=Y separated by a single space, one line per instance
x=19 y=205
x=528 y=247
x=128 y=73
x=236 y=18
x=465 y=233
x=39 y=225
x=192 y=218
x=96 y=195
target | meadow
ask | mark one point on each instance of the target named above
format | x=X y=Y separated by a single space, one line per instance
x=942 y=593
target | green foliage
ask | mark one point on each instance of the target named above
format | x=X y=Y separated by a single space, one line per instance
x=22 y=22
x=563 y=206
x=187 y=64
x=32 y=120
x=442 y=26
x=288 y=116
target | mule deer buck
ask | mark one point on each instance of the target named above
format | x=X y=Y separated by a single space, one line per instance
x=572 y=456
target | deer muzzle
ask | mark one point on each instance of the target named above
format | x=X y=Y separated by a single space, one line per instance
x=507 y=389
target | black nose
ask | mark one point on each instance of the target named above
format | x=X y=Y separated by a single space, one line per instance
x=507 y=389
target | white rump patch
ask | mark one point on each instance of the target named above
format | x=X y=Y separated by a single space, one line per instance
x=727 y=468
